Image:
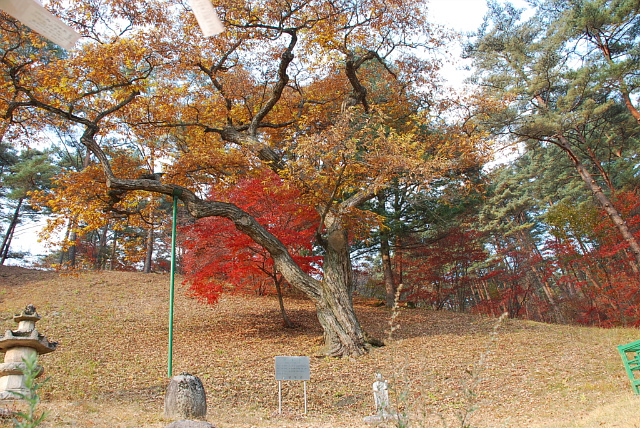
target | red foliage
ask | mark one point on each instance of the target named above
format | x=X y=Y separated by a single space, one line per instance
x=218 y=257
x=598 y=282
x=440 y=273
x=587 y=279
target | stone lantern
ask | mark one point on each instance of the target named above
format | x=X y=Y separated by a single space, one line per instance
x=17 y=345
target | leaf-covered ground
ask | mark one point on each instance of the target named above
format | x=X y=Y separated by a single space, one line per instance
x=110 y=369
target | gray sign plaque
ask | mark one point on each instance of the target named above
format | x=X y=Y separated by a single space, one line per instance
x=293 y=368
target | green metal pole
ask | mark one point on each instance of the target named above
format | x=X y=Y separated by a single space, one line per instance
x=176 y=193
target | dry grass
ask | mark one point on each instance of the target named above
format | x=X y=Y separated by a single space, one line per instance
x=111 y=366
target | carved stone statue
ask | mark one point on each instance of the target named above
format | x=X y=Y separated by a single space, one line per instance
x=381 y=399
x=381 y=395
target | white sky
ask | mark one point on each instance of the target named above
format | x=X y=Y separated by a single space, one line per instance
x=463 y=16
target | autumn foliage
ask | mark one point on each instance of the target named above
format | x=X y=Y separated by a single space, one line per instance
x=217 y=257
x=582 y=273
x=320 y=128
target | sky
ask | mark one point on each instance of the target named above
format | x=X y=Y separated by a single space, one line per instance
x=459 y=15
x=463 y=16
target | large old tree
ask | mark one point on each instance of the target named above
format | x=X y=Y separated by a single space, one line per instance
x=336 y=97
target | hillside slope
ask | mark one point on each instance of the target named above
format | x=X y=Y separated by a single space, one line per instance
x=111 y=366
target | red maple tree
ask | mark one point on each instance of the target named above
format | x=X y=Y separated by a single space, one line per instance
x=217 y=257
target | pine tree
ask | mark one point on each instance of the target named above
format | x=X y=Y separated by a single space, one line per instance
x=539 y=88
x=31 y=171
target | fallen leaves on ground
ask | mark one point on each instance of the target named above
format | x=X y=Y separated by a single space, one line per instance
x=110 y=369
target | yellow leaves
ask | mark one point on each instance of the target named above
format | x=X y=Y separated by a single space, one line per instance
x=80 y=203
x=193 y=88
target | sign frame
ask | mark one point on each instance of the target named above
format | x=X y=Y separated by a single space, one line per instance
x=292 y=369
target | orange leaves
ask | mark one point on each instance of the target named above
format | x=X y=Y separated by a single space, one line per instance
x=357 y=153
x=332 y=87
x=204 y=159
x=79 y=200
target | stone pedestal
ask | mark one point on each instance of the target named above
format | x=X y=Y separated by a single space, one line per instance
x=185 y=398
x=17 y=345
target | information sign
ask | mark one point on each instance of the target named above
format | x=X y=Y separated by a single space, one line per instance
x=35 y=16
x=293 y=368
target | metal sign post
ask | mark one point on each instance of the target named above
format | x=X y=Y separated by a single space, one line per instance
x=176 y=194
x=292 y=368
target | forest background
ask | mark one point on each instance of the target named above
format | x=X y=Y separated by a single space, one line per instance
x=315 y=151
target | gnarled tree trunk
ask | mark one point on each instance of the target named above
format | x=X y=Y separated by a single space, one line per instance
x=342 y=332
x=332 y=295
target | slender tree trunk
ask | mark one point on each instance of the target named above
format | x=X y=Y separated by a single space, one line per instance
x=399 y=262
x=73 y=251
x=149 y=253
x=73 y=235
x=114 y=245
x=102 y=245
x=5 y=253
x=278 y=283
x=387 y=269
x=6 y=242
x=604 y=201
x=66 y=239
x=385 y=255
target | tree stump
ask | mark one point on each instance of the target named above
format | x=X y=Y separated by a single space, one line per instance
x=185 y=398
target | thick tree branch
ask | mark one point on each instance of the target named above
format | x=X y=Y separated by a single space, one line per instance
x=276 y=93
x=352 y=65
x=243 y=221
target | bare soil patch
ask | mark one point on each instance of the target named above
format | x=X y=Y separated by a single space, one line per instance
x=110 y=369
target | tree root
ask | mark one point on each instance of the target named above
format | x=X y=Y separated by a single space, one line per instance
x=370 y=340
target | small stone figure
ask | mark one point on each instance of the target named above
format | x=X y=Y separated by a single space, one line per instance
x=30 y=309
x=381 y=395
x=381 y=398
